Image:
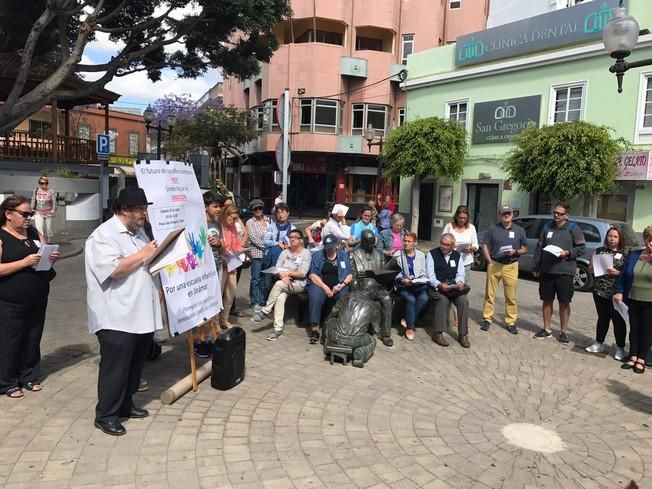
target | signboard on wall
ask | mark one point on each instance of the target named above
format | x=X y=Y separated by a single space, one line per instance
x=555 y=29
x=635 y=166
x=500 y=121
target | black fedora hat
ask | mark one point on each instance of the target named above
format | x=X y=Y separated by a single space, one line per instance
x=132 y=196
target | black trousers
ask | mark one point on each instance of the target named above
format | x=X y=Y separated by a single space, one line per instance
x=21 y=328
x=640 y=328
x=122 y=358
x=606 y=314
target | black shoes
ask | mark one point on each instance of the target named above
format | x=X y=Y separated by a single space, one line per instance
x=387 y=341
x=512 y=329
x=485 y=325
x=543 y=333
x=134 y=412
x=314 y=337
x=113 y=428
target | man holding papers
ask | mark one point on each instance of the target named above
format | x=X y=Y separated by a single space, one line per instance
x=501 y=248
x=123 y=307
x=560 y=243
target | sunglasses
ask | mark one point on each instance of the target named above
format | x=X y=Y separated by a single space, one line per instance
x=25 y=214
x=43 y=182
x=560 y=213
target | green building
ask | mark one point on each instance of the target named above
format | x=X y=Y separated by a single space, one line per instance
x=547 y=69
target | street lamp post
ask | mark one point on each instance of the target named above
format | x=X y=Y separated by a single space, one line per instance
x=619 y=37
x=161 y=126
x=370 y=135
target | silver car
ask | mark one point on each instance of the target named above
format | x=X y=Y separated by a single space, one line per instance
x=594 y=230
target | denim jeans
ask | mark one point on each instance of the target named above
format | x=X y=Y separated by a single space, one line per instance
x=319 y=305
x=257 y=292
x=414 y=301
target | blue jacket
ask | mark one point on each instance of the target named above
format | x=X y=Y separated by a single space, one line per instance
x=627 y=277
x=319 y=258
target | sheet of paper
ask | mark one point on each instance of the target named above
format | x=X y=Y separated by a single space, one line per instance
x=601 y=263
x=420 y=280
x=175 y=249
x=315 y=248
x=622 y=309
x=460 y=247
x=339 y=209
x=555 y=250
x=274 y=270
x=233 y=262
x=346 y=232
x=45 y=251
x=504 y=249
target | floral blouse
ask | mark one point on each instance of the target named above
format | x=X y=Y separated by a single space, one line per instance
x=605 y=285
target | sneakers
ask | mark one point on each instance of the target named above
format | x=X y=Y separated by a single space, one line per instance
x=258 y=317
x=202 y=350
x=484 y=325
x=512 y=329
x=143 y=385
x=562 y=338
x=314 y=337
x=596 y=347
x=274 y=335
x=543 y=333
x=257 y=307
x=619 y=354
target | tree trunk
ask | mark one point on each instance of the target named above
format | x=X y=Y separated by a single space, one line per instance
x=416 y=189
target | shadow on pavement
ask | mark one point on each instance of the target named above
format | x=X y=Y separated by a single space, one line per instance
x=64 y=357
x=629 y=397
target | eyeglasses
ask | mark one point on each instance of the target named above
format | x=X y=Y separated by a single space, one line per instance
x=43 y=182
x=257 y=209
x=294 y=237
x=560 y=213
x=25 y=214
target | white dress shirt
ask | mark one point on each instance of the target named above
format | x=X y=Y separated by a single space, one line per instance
x=129 y=303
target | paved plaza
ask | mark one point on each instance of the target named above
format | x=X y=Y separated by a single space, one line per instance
x=417 y=415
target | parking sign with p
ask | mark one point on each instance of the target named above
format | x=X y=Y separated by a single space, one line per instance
x=103 y=146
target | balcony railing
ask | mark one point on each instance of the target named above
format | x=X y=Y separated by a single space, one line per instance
x=23 y=145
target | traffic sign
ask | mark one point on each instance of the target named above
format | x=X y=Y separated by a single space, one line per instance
x=280 y=110
x=103 y=146
x=279 y=153
x=278 y=178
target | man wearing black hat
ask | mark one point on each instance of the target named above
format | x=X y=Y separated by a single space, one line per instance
x=123 y=307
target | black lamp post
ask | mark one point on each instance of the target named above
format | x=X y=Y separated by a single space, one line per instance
x=619 y=37
x=162 y=126
x=370 y=135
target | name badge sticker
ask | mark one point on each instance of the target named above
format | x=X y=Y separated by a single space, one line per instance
x=549 y=235
x=511 y=235
x=618 y=256
x=452 y=263
x=37 y=243
x=342 y=264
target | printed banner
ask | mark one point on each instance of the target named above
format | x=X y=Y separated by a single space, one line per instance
x=191 y=287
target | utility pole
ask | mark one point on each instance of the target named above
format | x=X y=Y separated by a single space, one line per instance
x=286 y=141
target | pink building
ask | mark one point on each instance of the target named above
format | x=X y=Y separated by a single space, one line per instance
x=341 y=61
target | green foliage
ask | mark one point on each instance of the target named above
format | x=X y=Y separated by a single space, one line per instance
x=211 y=129
x=565 y=160
x=62 y=172
x=431 y=146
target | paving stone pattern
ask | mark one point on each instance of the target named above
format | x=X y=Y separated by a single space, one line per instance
x=417 y=415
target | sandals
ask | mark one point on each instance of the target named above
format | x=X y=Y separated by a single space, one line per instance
x=409 y=334
x=639 y=368
x=630 y=364
x=14 y=393
x=33 y=387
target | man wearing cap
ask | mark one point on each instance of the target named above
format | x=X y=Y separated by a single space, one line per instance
x=329 y=279
x=256 y=227
x=123 y=307
x=503 y=244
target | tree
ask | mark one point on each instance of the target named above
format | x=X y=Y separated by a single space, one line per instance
x=150 y=35
x=565 y=160
x=423 y=147
x=216 y=130
x=181 y=106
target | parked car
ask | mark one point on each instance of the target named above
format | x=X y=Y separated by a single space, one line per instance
x=594 y=230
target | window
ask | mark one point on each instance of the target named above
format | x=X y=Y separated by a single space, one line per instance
x=591 y=233
x=113 y=140
x=454 y=4
x=40 y=129
x=84 y=131
x=647 y=102
x=643 y=134
x=320 y=36
x=134 y=139
x=365 y=114
x=321 y=115
x=407 y=47
x=368 y=43
x=401 y=116
x=266 y=117
x=568 y=103
x=457 y=111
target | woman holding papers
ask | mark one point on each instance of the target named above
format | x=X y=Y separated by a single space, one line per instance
x=411 y=282
x=23 y=298
x=613 y=255
x=466 y=237
x=635 y=289
x=231 y=249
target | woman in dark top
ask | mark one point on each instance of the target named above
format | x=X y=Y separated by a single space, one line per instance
x=635 y=288
x=23 y=298
x=604 y=288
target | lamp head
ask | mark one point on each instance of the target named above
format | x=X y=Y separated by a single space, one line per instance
x=171 y=120
x=370 y=133
x=148 y=115
x=620 y=34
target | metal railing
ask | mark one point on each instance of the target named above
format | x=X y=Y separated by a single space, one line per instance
x=23 y=145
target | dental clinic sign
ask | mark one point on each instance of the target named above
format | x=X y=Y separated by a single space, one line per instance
x=559 y=28
x=500 y=121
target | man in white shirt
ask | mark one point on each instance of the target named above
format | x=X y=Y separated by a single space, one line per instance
x=123 y=307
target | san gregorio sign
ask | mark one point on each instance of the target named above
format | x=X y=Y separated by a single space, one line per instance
x=559 y=28
x=500 y=121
